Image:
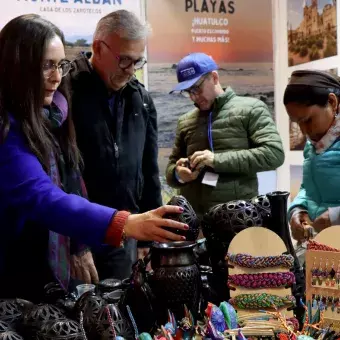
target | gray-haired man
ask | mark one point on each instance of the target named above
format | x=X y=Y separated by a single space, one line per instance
x=116 y=126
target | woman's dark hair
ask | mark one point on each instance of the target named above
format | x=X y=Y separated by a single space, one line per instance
x=308 y=95
x=22 y=44
x=311 y=87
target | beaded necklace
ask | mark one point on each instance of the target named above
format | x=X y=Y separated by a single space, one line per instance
x=262 y=280
x=249 y=261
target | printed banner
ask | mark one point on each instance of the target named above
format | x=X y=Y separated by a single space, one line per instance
x=76 y=18
x=237 y=34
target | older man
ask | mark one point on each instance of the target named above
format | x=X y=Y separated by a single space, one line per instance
x=116 y=126
x=221 y=144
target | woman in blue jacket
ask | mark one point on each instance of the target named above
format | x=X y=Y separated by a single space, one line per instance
x=312 y=100
x=44 y=215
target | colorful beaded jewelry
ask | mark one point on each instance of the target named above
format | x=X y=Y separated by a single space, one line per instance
x=249 y=261
x=261 y=300
x=262 y=280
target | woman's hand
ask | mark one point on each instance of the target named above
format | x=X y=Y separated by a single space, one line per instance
x=299 y=223
x=83 y=268
x=148 y=226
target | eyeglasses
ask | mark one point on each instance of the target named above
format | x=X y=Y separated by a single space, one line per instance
x=195 y=89
x=63 y=68
x=126 y=62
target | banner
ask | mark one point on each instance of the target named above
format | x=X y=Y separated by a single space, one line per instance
x=237 y=34
x=76 y=18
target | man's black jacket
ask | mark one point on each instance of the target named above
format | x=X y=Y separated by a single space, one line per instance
x=119 y=148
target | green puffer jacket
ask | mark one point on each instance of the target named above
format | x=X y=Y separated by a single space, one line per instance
x=245 y=141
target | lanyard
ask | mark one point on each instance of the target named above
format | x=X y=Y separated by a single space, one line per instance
x=210 y=132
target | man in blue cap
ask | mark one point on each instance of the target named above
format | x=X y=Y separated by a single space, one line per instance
x=221 y=144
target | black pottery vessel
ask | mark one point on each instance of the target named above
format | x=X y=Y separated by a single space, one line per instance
x=4 y=326
x=278 y=223
x=11 y=311
x=278 y=217
x=89 y=306
x=220 y=225
x=109 y=285
x=40 y=314
x=121 y=325
x=139 y=297
x=64 y=329
x=188 y=216
x=176 y=278
x=10 y=335
x=262 y=204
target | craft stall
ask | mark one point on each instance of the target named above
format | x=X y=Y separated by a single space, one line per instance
x=242 y=281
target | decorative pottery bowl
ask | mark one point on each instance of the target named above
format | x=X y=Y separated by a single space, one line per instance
x=63 y=329
x=188 y=216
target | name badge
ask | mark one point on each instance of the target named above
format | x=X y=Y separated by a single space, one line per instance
x=210 y=178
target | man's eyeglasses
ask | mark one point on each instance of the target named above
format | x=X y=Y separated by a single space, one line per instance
x=196 y=89
x=126 y=62
x=63 y=68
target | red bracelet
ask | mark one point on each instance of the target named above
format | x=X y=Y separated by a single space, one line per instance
x=262 y=280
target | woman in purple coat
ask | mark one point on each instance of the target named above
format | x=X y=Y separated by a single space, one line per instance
x=44 y=214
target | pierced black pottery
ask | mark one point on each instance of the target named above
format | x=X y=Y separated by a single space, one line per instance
x=121 y=325
x=10 y=335
x=53 y=292
x=139 y=297
x=89 y=304
x=176 y=279
x=224 y=221
x=220 y=224
x=113 y=297
x=10 y=311
x=64 y=329
x=109 y=285
x=4 y=326
x=188 y=216
x=39 y=315
x=262 y=204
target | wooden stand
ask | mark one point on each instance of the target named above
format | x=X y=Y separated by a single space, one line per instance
x=329 y=237
x=258 y=241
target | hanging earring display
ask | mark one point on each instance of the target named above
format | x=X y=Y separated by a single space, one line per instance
x=332 y=275
x=337 y=276
x=327 y=275
x=314 y=273
x=323 y=276
x=320 y=273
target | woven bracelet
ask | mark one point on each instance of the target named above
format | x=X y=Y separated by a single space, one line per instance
x=262 y=280
x=261 y=300
x=249 y=261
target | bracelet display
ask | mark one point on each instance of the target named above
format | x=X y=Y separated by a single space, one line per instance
x=261 y=300
x=262 y=280
x=249 y=261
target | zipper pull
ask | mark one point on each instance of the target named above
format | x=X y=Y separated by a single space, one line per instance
x=116 y=150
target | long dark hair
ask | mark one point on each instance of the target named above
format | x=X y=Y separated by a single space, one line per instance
x=22 y=46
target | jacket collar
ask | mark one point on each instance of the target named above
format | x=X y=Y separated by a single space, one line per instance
x=223 y=98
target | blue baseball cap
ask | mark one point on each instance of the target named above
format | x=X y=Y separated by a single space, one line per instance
x=191 y=68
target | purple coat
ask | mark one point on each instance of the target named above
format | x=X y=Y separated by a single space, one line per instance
x=27 y=195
